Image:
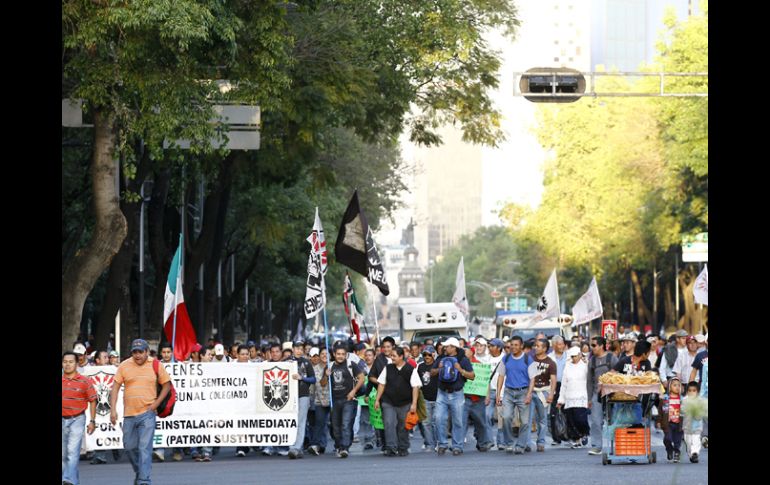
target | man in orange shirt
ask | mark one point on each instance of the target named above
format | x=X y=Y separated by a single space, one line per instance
x=140 y=400
x=77 y=393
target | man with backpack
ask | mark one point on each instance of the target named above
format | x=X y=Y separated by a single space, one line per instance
x=346 y=379
x=515 y=376
x=141 y=399
x=600 y=363
x=452 y=370
x=670 y=355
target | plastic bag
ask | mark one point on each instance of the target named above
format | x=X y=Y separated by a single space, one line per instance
x=560 y=430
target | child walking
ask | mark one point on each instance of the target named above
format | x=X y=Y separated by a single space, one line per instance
x=694 y=410
x=671 y=419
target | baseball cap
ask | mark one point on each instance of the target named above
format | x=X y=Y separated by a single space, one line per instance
x=690 y=338
x=453 y=342
x=573 y=351
x=700 y=338
x=480 y=340
x=219 y=349
x=140 y=344
x=428 y=350
x=298 y=343
x=287 y=346
x=651 y=339
x=79 y=349
x=681 y=333
x=359 y=346
x=497 y=343
x=251 y=343
x=314 y=351
x=114 y=353
x=629 y=336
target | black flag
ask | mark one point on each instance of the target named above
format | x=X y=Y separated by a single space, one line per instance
x=355 y=247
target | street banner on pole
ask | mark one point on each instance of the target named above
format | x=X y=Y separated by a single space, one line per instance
x=249 y=404
x=701 y=287
x=589 y=306
x=460 y=299
x=315 y=295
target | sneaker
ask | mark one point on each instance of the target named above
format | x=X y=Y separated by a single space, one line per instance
x=555 y=443
x=314 y=450
x=177 y=456
x=576 y=445
x=240 y=454
x=509 y=449
x=403 y=453
x=677 y=456
x=584 y=441
x=206 y=458
x=343 y=454
x=98 y=460
x=669 y=455
x=157 y=456
x=356 y=440
x=441 y=451
x=198 y=458
x=389 y=453
x=293 y=454
x=485 y=448
x=694 y=458
x=595 y=451
x=339 y=455
x=540 y=448
x=457 y=452
x=705 y=441
x=283 y=453
x=368 y=447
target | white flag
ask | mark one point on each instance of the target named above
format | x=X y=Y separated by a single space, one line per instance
x=701 y=287
x=315 y=295
x=589 y=306
x=459 y=298
x=548 y=304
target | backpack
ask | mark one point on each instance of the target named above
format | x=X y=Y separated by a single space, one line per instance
x=362 y=391
x=448 y=374
x=166 y=407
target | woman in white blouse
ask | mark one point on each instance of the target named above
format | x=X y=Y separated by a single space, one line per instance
x=574 y=395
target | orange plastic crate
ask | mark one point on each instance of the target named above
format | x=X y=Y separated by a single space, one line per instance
x=631 y=441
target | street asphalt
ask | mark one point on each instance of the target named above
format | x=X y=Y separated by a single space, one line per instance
x=556 y=466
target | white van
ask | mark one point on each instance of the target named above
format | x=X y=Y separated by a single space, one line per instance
x=420 y=321
x=527 y=330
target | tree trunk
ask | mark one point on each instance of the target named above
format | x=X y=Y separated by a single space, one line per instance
x=669 y=307
x=159 y=252
x=109 y=232
x=686 y=283
x=641 y=307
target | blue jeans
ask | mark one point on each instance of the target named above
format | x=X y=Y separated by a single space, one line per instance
x=539 y=416
x=450 y=403
x=596 y=418
x=514 y=400
x=304 y=405
x=494 y=433
x=72 y=431
x=137 y=441
x=365 y=430
x=320 y=426
x=343 y=416
x=478 y=411
x=429 y=425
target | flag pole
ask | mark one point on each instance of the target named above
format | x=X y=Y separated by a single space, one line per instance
x=176 y=301
x=374 y=308
x=328 y=356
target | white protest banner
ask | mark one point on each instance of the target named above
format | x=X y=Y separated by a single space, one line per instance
x=232 y=404
x=589 y=306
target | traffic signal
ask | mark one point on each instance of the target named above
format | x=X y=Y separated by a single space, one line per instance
x=552 y=84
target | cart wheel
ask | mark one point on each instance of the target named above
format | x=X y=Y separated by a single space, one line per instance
x=654 y=457
x=605 y=460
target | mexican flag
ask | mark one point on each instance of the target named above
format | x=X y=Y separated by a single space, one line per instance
x=352 y=309
x=179 y=331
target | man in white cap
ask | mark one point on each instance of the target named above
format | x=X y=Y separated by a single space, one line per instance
x=627 y=343
x=452 y=370
x=671 y=353
x=219 y=354
x=683 y=366
x=82 y=361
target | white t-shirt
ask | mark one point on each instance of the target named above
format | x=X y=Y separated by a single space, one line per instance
x=414 y=381
x=494 y=361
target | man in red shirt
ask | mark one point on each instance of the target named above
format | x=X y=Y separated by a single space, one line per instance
x=77 y=393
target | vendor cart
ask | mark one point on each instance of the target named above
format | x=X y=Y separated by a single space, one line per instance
x=627 y=425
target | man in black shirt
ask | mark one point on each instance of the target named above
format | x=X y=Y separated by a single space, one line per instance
x=346 y=380
x=450 y=398
x=398 y=389
x=637 y=363
x=306 y=376
x=429 y=390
